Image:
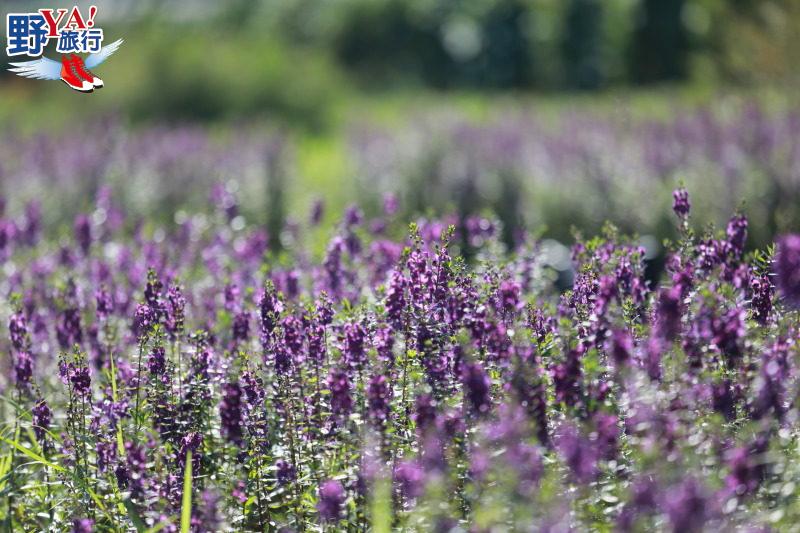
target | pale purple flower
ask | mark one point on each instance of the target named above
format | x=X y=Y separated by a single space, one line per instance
x=330 y=501
x=787 y=269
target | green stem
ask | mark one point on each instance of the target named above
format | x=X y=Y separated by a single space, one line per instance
x=138 y=387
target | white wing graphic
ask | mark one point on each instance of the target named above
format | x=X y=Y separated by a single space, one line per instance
x=95 y=59
x=39 y=69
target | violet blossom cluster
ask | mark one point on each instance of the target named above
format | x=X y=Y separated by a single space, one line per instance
x=435 y=379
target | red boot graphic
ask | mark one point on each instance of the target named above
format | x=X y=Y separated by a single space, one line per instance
x=86 y=74
x=70 y=75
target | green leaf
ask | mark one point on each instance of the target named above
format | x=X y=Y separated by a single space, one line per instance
x=39 y=459
x=113 y=371
x=133 y=514
x=33 y=455
x=186 y=505
x=382 y=507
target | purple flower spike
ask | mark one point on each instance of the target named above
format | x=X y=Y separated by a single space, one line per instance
x=579 y=454
x=787 y=269
x=83 y=525
x=410 y=479
x=680 y=202
x=83 y=232
x=230 y=412
x=41 y=420
x=286 y=471
x=331 y=499
x=143 y=320
x=686 y=506
x=620 y=347
x=23 y=368
x=477 y=387
x=157 y=362
x=378 y=395
x=341 y=400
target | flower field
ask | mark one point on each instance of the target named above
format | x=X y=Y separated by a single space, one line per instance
x=411 y=373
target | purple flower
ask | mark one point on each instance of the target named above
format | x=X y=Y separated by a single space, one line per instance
x=333 y=266
x=651 y=358
x=378 y=396
x=620 y=346
x=687 y=506
x=579 y=454
x=286 y=472
x=339 y=385
x=132 y=474
x=292 y=328
x=106 y=453
x=737 y=235
x=390 y=204
x=80 y=380
x=157 y=362
x=396 y=299
x=668 y=313
x=425 y=413
x=270 y=307
x=143 y=320
x=104 y=302
x=176 y=304
x=761 y=301
x=190 y=442
x=23 y=368
x=567 y=377
x=770 y=384
x=317 y=212
x=383 y=340
x=282 y=359
x=787 y=269
x=206 y=517
x=68 y=330
x=747 y=466
x=527 y=461
x=41 y=420
x=409 y=477
x=540 y=324
x=152 y=293
x=18 y=330
x=331 y=499
x=324 y=309
x=723 y=398
x=199 y=364
x=83 y=232
x=353 y=215
x=606 y=434
x=33 y=222
x=680 y=202
x=241 y=328
x=316 y=343
x=727 y=330
x=230 y=412
x=509 y=296
x=644 y=493
x=354 y=337
x=83 y=525
x=532 y=396
x=477 y=387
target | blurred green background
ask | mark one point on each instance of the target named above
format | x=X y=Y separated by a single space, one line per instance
x=306 y=63
x=318 y=74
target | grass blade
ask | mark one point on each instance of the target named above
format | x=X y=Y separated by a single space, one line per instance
x=134 y=516
x=33 y=455
x=186 y=505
